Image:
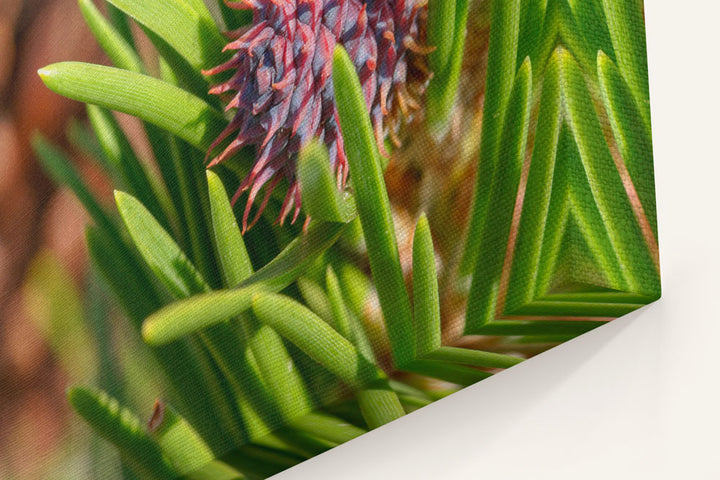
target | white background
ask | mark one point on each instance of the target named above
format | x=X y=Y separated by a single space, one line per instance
x=638 y=398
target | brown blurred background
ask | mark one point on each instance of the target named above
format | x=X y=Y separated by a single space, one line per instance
x=34 y=216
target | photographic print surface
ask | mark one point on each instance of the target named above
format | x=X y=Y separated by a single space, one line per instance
x=328 y=214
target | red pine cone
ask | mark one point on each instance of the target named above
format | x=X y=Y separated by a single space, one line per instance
x=282 y=83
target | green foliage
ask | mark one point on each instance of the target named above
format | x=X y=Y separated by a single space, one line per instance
x=121 y=427
x=55 y=307
x=115 y=45
x=181 y=318
x=123 y=164
x=186 y=27
x=139 y=95
x=447 y=20
x=178 y=440
x=161 y=253
x=273 y=364
x=233 y=259
x=505 y=26
x=61 y=170
x=426 y=296
x=320 y=197
x=571 y=248
x=373 y=206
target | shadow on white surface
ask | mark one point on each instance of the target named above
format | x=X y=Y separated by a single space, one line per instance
x=557 y=409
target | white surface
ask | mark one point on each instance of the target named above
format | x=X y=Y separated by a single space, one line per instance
x=636 y=399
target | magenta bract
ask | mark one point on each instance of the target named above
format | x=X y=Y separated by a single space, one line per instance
x=282 y=86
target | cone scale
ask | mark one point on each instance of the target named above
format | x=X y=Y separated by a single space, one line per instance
x=281 y=85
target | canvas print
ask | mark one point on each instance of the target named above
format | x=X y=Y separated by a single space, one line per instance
x=327 y=214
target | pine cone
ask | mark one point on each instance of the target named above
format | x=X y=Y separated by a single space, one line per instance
x=282 y=86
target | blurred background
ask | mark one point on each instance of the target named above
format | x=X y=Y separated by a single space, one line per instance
x=41 y=237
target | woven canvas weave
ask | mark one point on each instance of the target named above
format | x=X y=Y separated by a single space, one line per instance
x=331 y=213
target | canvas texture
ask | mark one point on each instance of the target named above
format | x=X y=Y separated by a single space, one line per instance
x=328 y=214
